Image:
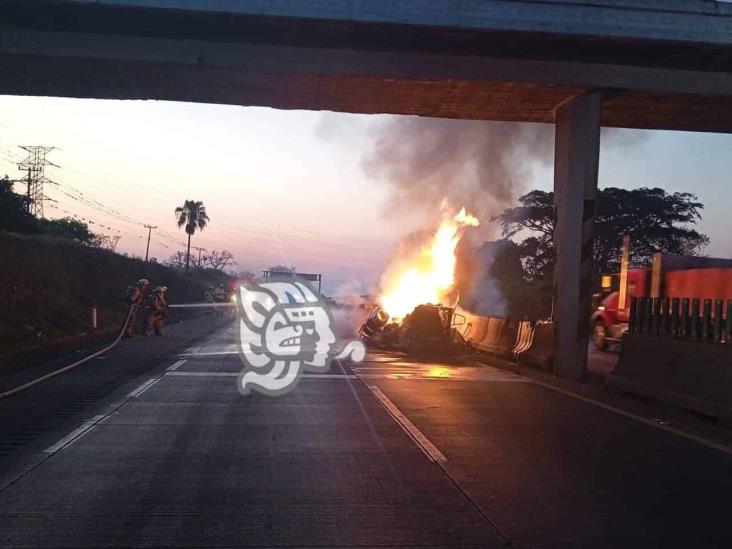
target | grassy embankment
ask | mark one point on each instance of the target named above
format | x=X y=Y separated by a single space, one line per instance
x=48 y=287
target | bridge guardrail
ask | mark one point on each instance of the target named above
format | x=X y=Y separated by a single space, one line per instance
x=682 y=318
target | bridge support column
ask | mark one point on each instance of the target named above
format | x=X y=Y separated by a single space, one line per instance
x=576 y=156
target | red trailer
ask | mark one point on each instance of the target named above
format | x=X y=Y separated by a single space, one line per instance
x=669 y=277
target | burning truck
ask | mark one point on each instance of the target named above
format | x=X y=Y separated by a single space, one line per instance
x=416 y=311
x=427 y=329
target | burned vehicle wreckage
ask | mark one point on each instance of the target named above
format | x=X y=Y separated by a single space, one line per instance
x=427 y=329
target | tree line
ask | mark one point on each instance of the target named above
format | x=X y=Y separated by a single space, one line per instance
x=15 y=217
x=522 y=264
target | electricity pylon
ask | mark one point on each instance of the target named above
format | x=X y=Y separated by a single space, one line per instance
x=35 y=166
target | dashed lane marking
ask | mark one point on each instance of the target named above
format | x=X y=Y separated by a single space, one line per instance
x=144 y=387
x=237 y=374
x=176 y=365
x=213 y=353
x=76 y=434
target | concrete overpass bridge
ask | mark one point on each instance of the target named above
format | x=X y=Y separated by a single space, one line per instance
x=662 y=64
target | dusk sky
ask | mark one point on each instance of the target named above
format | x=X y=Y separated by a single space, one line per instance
x=280 y=186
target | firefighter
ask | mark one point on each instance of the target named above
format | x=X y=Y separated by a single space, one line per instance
x=220 y=297
x=134 y=299
x=157 y=307
x=208 y=297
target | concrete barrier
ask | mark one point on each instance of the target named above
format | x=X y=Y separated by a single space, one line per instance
x=507 y=338
x=463 y=322
x=692 y=374
x=523 y=339
x=490 y=341
x=519 y=340
x=541 y=351
x=478 y=330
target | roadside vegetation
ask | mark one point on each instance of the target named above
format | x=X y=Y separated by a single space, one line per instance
x=55 y=270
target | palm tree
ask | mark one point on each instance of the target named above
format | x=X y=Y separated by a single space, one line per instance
x=192 y=214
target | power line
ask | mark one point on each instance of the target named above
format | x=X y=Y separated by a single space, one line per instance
x=318 y=247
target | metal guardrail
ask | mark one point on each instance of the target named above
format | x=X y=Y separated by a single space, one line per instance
x=682 y=318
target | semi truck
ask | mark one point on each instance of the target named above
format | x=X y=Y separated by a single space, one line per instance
x=669 y=276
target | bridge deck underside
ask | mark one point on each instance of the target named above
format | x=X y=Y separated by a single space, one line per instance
x=447 y=98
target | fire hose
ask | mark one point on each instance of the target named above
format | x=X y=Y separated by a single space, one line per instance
x=30 y=384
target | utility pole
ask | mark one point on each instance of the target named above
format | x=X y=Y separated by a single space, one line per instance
x=35 y=164
x=149 y=233
x=199 y=254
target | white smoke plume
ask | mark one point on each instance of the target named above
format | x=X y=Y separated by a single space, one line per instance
x=348 y=309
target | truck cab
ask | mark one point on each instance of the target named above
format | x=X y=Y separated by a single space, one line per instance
x=609 y=320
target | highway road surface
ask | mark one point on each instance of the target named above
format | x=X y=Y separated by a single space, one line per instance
x=153 y=446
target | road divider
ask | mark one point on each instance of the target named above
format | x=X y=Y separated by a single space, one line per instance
x=540 y=352
x=507 y=338
x=524 y=339
x=692 y=374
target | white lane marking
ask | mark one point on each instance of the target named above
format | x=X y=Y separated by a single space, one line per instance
x=202 y=374
x=236 y=374
x=144 y=387
x=176 y=365
x=214 y=353
x=76 y=434
x=689 y=436
x=430 y=450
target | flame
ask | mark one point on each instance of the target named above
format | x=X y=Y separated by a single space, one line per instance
x=429 y=275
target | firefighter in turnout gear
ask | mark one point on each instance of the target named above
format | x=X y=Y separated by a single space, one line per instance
x=208 y=295
x=134 y=299
x=157 y=307
x=220 y=297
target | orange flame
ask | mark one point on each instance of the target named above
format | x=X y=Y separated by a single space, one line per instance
x=429 y=275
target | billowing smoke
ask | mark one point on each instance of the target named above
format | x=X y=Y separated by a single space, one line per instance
x=348 y=311
x=479 y=291
x=483 y=166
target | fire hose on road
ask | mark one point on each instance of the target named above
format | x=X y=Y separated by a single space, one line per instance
x=109 y=347
x=41 y=379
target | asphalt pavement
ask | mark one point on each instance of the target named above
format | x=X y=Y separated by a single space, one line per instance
x=153 y=446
